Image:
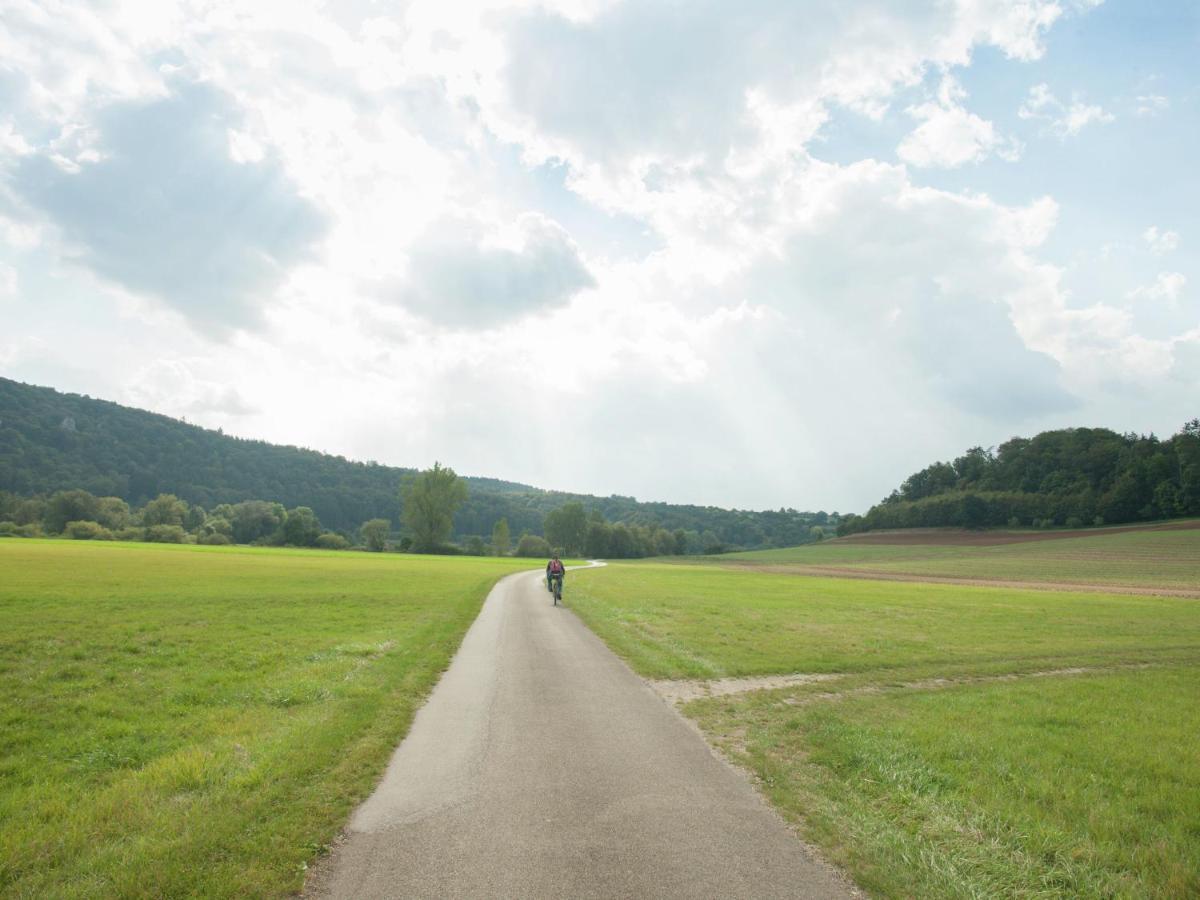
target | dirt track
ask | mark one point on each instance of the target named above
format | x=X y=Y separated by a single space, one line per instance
x=954 y=537
x=876 y=575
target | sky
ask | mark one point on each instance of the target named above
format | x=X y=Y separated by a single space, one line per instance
x=760 y=254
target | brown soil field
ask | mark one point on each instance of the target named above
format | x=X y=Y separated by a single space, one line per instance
x=876 y=575
x=958 y=537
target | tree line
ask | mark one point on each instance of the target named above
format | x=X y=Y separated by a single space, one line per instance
x=52 y=441
x=429 y=499
x=1069 y=477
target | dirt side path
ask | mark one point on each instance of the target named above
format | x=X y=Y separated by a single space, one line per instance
x=877 y=575
x=541 y=766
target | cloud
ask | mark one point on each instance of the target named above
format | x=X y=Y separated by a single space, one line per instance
x=462 y=275
x=949 y=136
x=1167 y=286
x=170 y=386
x=161 y=209
x=1160 y=242
x=1062 y=120
x=918 y=283
x=579 y=88
x=1149 y=105
x=8 y=282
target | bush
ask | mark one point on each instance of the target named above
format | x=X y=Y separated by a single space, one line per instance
x=166 y=534
x=8 y=529
x=213 y=539
x=531 y=545
x=476 y=546
x=132 y=533
x=375 y=533
x=331 y=541
x=1074 y=522
x=87 y=531
x=33 y=529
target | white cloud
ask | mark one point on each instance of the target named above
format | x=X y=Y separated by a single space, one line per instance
x=8 y=281
x=949 y=135
x=170 y=386
x=1061 y=119
x=1151 y=105
x=465 y=275
x=161 y=209
x=1167 y=286
x=1160 y=242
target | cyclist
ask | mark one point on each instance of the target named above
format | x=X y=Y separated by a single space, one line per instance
x=554 y=569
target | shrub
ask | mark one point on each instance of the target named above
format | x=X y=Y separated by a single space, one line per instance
x=87 y=531
x=375 y=534
x=331 y=541
x=33 y=529
x=213 y=539
x=475 y=546
x=1014 y=522
x=166 y=534
x=132 y=533
x=1074 y=522
x=8 y=529
x=531 y=545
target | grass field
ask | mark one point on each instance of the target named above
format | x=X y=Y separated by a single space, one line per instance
x=1167 y=559
x=979 y=742
x=199 y=721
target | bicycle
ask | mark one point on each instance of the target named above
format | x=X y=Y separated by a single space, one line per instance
x=556 y=584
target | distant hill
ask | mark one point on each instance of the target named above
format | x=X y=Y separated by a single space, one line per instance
x=1069 y=477
x=52 y=441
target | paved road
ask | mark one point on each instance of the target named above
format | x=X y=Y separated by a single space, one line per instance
x=543 y=767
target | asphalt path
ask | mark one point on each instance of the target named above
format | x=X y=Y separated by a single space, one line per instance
x=542 y=766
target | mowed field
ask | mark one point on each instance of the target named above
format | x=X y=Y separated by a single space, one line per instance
x=200 y=721
x=960 y=740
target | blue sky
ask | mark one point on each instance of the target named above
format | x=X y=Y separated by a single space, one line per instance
x=757 y=255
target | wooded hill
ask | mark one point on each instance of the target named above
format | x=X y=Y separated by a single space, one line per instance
x=1070 y=477
x=52 y=441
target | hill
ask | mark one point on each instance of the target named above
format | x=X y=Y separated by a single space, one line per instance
x=1069 y=477
x=51 y=441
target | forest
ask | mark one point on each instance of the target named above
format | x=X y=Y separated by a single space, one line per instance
x=1071 y=477
x=53 y=442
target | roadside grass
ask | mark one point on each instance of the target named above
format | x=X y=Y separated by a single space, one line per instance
x=933 y=767
x=199 y=721
x=1083 y=786
x=675 y=621
x=1167 y=559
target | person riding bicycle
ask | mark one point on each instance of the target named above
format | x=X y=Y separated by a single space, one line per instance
x=554 y=569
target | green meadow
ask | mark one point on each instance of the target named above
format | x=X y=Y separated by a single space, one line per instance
x=1165 y=559
x=199 y=721
x=978 y=742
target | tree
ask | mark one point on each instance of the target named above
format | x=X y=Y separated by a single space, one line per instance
x=374 y=534
x=253 y=520
x=429 y=501
x=112 y=512
x=531 y=545
x=69 y=506
x=566 y=527
x=165 y=509
x=501 y=539
x=301 y=528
